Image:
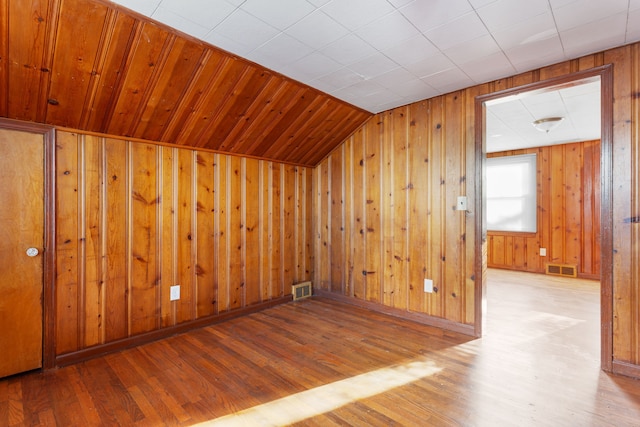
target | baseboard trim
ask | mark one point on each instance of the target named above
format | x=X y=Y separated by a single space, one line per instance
x=421 y=318
x=134 y=341
x=625 y=368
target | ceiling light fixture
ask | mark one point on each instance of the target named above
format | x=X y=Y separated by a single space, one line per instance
x=547 y=124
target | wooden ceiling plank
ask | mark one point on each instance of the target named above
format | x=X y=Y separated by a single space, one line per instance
x=111 y=71
x=269 y=118
x=311 y=139
x=254 y=114
x=333 y=137
x=27 y=34
x=170 y=88
x=291 y=117
x=235 y=107
x=47 y=59
x=140 y=120
x=210 y=64
x=145 y=53
x=221 y=84
x=287 y=140
x=77 y=46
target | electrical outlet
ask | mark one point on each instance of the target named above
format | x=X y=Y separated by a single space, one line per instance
x=175 y=293
x=543 y=251
x=428 y=285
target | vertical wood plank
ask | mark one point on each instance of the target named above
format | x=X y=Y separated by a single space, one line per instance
x=143 y=239
x=235 y=232
x=288 y=227
x=335 y=210
x=373 y=203
x=205 y=206
x=253 y=231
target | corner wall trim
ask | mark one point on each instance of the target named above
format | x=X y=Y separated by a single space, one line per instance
x=145 y=338
x=421 y=318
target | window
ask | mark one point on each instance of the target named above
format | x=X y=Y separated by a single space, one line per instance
x=511 y=193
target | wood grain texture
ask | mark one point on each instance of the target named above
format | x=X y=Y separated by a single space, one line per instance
x=568 y=213
x=135 y=219
x=267 y=369
x=405 y=228
x=95 y=66
x=441 y=125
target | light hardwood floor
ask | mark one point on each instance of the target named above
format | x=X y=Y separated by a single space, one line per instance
x=322 y=363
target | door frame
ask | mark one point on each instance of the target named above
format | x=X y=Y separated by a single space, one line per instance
x=605 y=73
x=49 y=252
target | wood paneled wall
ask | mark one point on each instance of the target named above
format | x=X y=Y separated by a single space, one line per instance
x=568 y=213
x=386 y=212
x=384 y=203
x=133 y=219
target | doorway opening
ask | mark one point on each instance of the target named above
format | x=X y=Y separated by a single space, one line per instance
x=548 y=89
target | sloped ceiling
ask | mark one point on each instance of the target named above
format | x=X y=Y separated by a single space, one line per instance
x=94 y=66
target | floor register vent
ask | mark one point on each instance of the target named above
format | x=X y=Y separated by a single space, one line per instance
x=562 y=270
x=301 y=290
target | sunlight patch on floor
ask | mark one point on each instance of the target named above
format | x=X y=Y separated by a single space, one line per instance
x=327 y=398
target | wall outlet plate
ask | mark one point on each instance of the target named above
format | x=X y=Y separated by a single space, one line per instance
x=428 y=285
x=462 y=203
x=543 y=251
x=175 y=293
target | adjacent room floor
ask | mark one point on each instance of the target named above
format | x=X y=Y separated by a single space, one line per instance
x=317 y=362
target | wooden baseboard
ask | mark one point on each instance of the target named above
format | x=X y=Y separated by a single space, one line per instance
x=122 y=344
x=625 y=368
x=421 y=318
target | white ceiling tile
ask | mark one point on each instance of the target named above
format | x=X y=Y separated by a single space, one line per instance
x=448 y=80
x=536 y=54
x=486 y=68
x=477 y=4
x=583 y=39
x=411 y=51
x=426 y=15
x=281 y=50
x=462 y=29
x=348 y=49
x=633 y=26
x=472 y=50
x=245 y=29
x=341 y=78
x=274 y=16
x=318 y=3
x=505 y=13
x=399 y=3
x=311 y=67
x=411 y=87
x=634 y=4
x=353 y=14
x=531 y=30
x=582 y=12
x=363 y=88
x=179 y=23
x=387 y=31
x=205 y=13
x=227 y=44
x=373 y=66
x=394 y=77
x=317 y=30
x=432 y=65
x=145 y=7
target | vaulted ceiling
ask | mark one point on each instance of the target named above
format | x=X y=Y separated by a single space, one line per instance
x=96 y=66
x=93 y=66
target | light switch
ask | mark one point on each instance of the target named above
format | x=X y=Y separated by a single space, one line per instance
x=462 y=203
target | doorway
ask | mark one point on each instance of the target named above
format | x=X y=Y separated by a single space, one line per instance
x=604 y=74
x=26 y=225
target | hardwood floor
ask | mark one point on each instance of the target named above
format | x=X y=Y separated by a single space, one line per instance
x=320 y=363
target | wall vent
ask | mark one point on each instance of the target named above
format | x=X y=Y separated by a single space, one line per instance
x=562 y=270
x=301 y=290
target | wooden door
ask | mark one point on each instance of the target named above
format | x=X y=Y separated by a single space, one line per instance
x=21 y=228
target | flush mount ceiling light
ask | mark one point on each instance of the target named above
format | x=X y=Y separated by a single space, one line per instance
x=547 y=124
